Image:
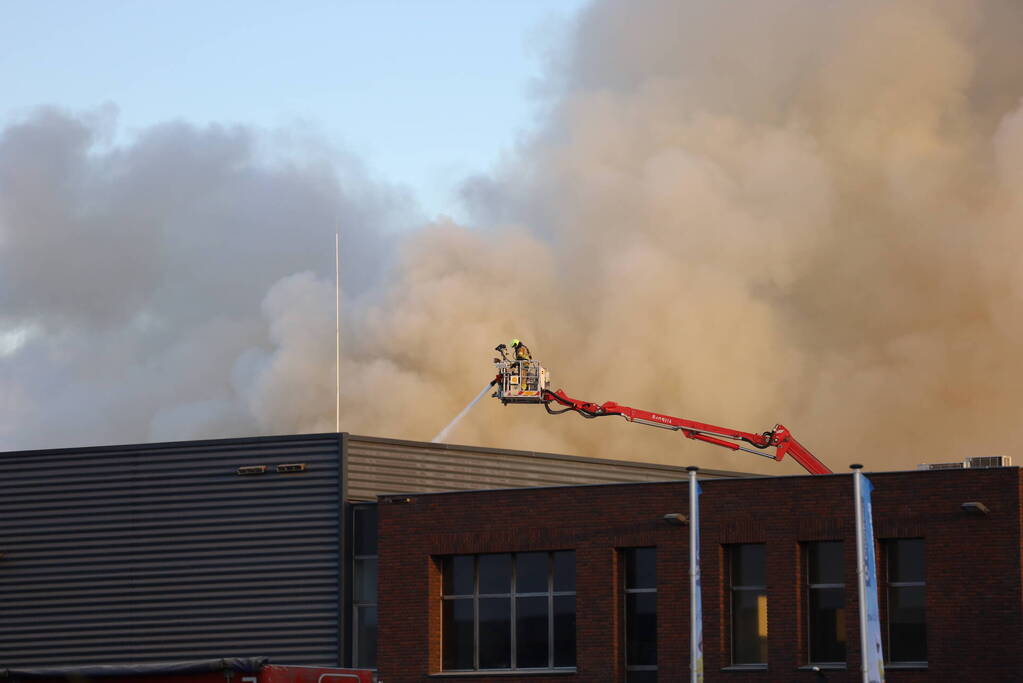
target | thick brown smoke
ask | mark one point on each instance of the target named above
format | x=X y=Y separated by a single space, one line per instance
x=799 y=211
x=793 y=211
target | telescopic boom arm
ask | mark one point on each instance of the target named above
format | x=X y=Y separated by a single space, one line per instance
x=527 y=381
x=778 y=438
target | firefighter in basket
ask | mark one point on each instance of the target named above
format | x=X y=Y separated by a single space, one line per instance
x=519 y=351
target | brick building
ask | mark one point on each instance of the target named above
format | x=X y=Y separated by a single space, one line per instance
x=493 y=565
x=590 y=583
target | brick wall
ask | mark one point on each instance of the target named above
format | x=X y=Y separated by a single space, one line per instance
x=974 y=598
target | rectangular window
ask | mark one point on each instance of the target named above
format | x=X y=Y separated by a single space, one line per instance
x=825 y=600
x=640 y=587
x=364 y=586
x=907 y=628
x=508 y=611
x=749 y=603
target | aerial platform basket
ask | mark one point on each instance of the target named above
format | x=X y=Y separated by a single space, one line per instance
x=522 y=381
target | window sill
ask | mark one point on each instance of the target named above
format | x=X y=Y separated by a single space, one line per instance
x=745 y=667
x=902 y=666
x=505 y=672
x=832 y=666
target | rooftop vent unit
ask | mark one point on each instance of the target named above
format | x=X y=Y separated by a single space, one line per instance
x=989 y=461
x=972 y=463
x=943 y=466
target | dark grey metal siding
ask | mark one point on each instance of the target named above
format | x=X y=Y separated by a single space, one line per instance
x=379 y=466
x=162 y=552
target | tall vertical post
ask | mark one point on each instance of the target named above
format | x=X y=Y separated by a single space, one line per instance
x=857 y=485
x=337 y=331
x=695 y=599
x=871 y=657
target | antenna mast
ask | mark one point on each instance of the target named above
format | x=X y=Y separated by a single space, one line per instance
x=337 y=330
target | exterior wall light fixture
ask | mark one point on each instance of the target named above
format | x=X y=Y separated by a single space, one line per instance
x=975 y=508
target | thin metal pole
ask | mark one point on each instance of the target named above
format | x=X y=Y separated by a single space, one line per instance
x=861 y=584
x=695 y=611
x=337 y=331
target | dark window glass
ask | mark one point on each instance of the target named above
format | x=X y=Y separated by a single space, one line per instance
x=907 y=626
x=363 y=636
x=826 y=601
x=458 y=634
x=749 y=565
x=495 y=633
x=532 y=637
x=364 y=526
x=564 y=630
x=749 y=627
x=827 y=625
x=500 y=612
x=641 y=620
x=908 y=630
x=826 y=562
x=641 y=568
x=564 y=571
x=366 y=638
x=749 y=603
x=459 y=575
x=906 y=559
x=640 y=579
x=365 y=580
x=495 y=573
x=532 y=572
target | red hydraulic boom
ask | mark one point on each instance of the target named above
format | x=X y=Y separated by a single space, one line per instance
x=527 y=381
x=778 y=438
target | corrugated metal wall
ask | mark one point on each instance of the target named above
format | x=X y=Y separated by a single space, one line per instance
x=161 y=552
x=377 y=466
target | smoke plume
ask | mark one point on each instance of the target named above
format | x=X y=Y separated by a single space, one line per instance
x=801 y=212
x=795 y=212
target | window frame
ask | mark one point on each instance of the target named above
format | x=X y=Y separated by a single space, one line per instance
x=623 y=555
x=888 y=544
x=809 y=549
x=513 y=595
x=358 y=603
x=733 y=588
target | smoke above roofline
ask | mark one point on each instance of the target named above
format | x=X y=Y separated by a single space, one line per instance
x=800 y=212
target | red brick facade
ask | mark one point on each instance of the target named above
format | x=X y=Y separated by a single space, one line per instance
x=974 y=602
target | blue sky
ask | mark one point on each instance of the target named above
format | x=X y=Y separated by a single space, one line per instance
x=423 y=92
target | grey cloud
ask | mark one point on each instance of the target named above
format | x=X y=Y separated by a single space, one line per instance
x=136 y=269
